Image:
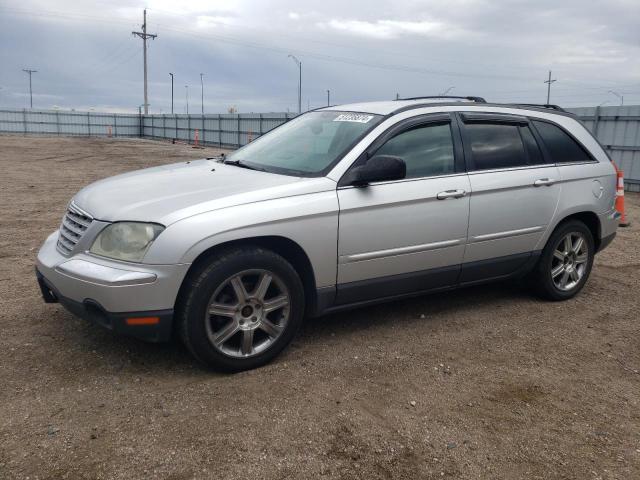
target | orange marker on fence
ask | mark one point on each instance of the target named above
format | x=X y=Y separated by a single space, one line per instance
x=620 y=197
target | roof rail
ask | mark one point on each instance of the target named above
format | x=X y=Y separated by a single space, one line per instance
x=473 y=99
x=540 y=105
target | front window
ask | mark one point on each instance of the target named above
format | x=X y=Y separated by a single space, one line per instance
x=308 y=145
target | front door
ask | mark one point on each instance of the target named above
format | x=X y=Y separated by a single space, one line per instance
x=406 y=235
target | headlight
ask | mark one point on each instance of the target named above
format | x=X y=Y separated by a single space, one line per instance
x=126 y=240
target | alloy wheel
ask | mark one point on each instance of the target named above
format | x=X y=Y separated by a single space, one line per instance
x=569 y=261
x=247 y=313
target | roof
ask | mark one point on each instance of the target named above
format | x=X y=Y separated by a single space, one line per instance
x=396 y=106
x=390 y=106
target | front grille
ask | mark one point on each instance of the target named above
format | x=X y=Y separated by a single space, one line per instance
x=74 y=224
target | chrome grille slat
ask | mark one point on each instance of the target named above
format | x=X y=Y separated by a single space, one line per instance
x=79 y=219
x=73 y=227
x=78 y=229
x=65 y=242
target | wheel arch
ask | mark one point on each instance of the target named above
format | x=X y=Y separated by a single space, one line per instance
x=283 y=246
x=589 y=218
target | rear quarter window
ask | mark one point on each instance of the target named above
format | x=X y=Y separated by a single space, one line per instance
x=560 y=145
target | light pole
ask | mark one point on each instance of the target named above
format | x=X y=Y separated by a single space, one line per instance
x=30 y=72
x=328 y=98
x=171 y=92
x=446 y=91
x=299 y=63
x=202 y=93
x=621 y=97
x=186 y=87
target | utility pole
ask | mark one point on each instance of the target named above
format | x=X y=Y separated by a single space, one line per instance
x=144 y=36
x=186 y=87
x=299 y=63
x=202 y=93
x=328 y=98
x=549 y=82
x=397 y=96
x=30 y=72
x=171 y=92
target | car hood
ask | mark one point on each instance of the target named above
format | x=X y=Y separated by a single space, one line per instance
x=170 y=193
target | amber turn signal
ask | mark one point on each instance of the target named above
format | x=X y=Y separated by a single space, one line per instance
x=143 y=321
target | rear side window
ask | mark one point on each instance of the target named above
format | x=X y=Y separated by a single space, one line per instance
x=427 y=150
x=560 y=145
x=495 y=145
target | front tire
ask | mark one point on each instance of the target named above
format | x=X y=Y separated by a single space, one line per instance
x=240 y=309
x=566 y=261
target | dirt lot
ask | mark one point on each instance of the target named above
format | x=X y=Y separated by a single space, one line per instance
x=504 y=385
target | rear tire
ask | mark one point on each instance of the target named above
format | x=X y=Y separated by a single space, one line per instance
x=240 y=309
x=565 y=263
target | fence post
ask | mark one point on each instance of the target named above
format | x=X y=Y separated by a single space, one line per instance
x=164 y=126
x=88 y=124
x=596 y=121
x=176 y=118
x=260 y=126
x=219 y=131
x=189 y=128
x=24 y=120
x=204 y=136
x=115 y=125
x=57 y=122
x=239 y=144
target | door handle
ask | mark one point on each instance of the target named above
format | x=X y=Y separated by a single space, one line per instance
x=451 y=194
x=544 y=182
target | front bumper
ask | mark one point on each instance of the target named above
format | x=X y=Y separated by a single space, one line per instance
x=151 y=326
x=114 y=294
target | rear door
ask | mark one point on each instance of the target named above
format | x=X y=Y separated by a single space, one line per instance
x=514 y=194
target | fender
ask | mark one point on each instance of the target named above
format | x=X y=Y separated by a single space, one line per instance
x=309 y=220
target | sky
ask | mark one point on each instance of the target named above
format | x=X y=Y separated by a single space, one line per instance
x=360 y=50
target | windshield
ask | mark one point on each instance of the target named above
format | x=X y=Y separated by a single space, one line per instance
x=308 y=145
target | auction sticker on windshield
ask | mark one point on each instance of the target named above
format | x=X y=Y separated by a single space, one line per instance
x=353 y=117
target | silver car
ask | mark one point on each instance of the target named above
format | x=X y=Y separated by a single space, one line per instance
x=340 y=207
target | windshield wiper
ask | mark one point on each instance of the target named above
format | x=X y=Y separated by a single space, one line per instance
x=241 y=164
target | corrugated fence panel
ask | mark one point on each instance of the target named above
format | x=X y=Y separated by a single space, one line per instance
x=57 y=122
x=228 y=130
x=617 y=128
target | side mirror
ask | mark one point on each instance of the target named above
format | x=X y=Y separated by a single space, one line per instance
x=377 y=169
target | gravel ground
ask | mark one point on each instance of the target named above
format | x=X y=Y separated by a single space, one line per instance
x=485 y=382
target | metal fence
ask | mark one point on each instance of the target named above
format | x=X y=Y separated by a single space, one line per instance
x=56 y=122
x=617 y=128
x=225 y=130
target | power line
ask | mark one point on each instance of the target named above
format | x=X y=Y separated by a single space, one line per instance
x=144 y=36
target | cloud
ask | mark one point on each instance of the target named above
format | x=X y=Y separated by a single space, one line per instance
x=359 y=49
x=386 y=29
